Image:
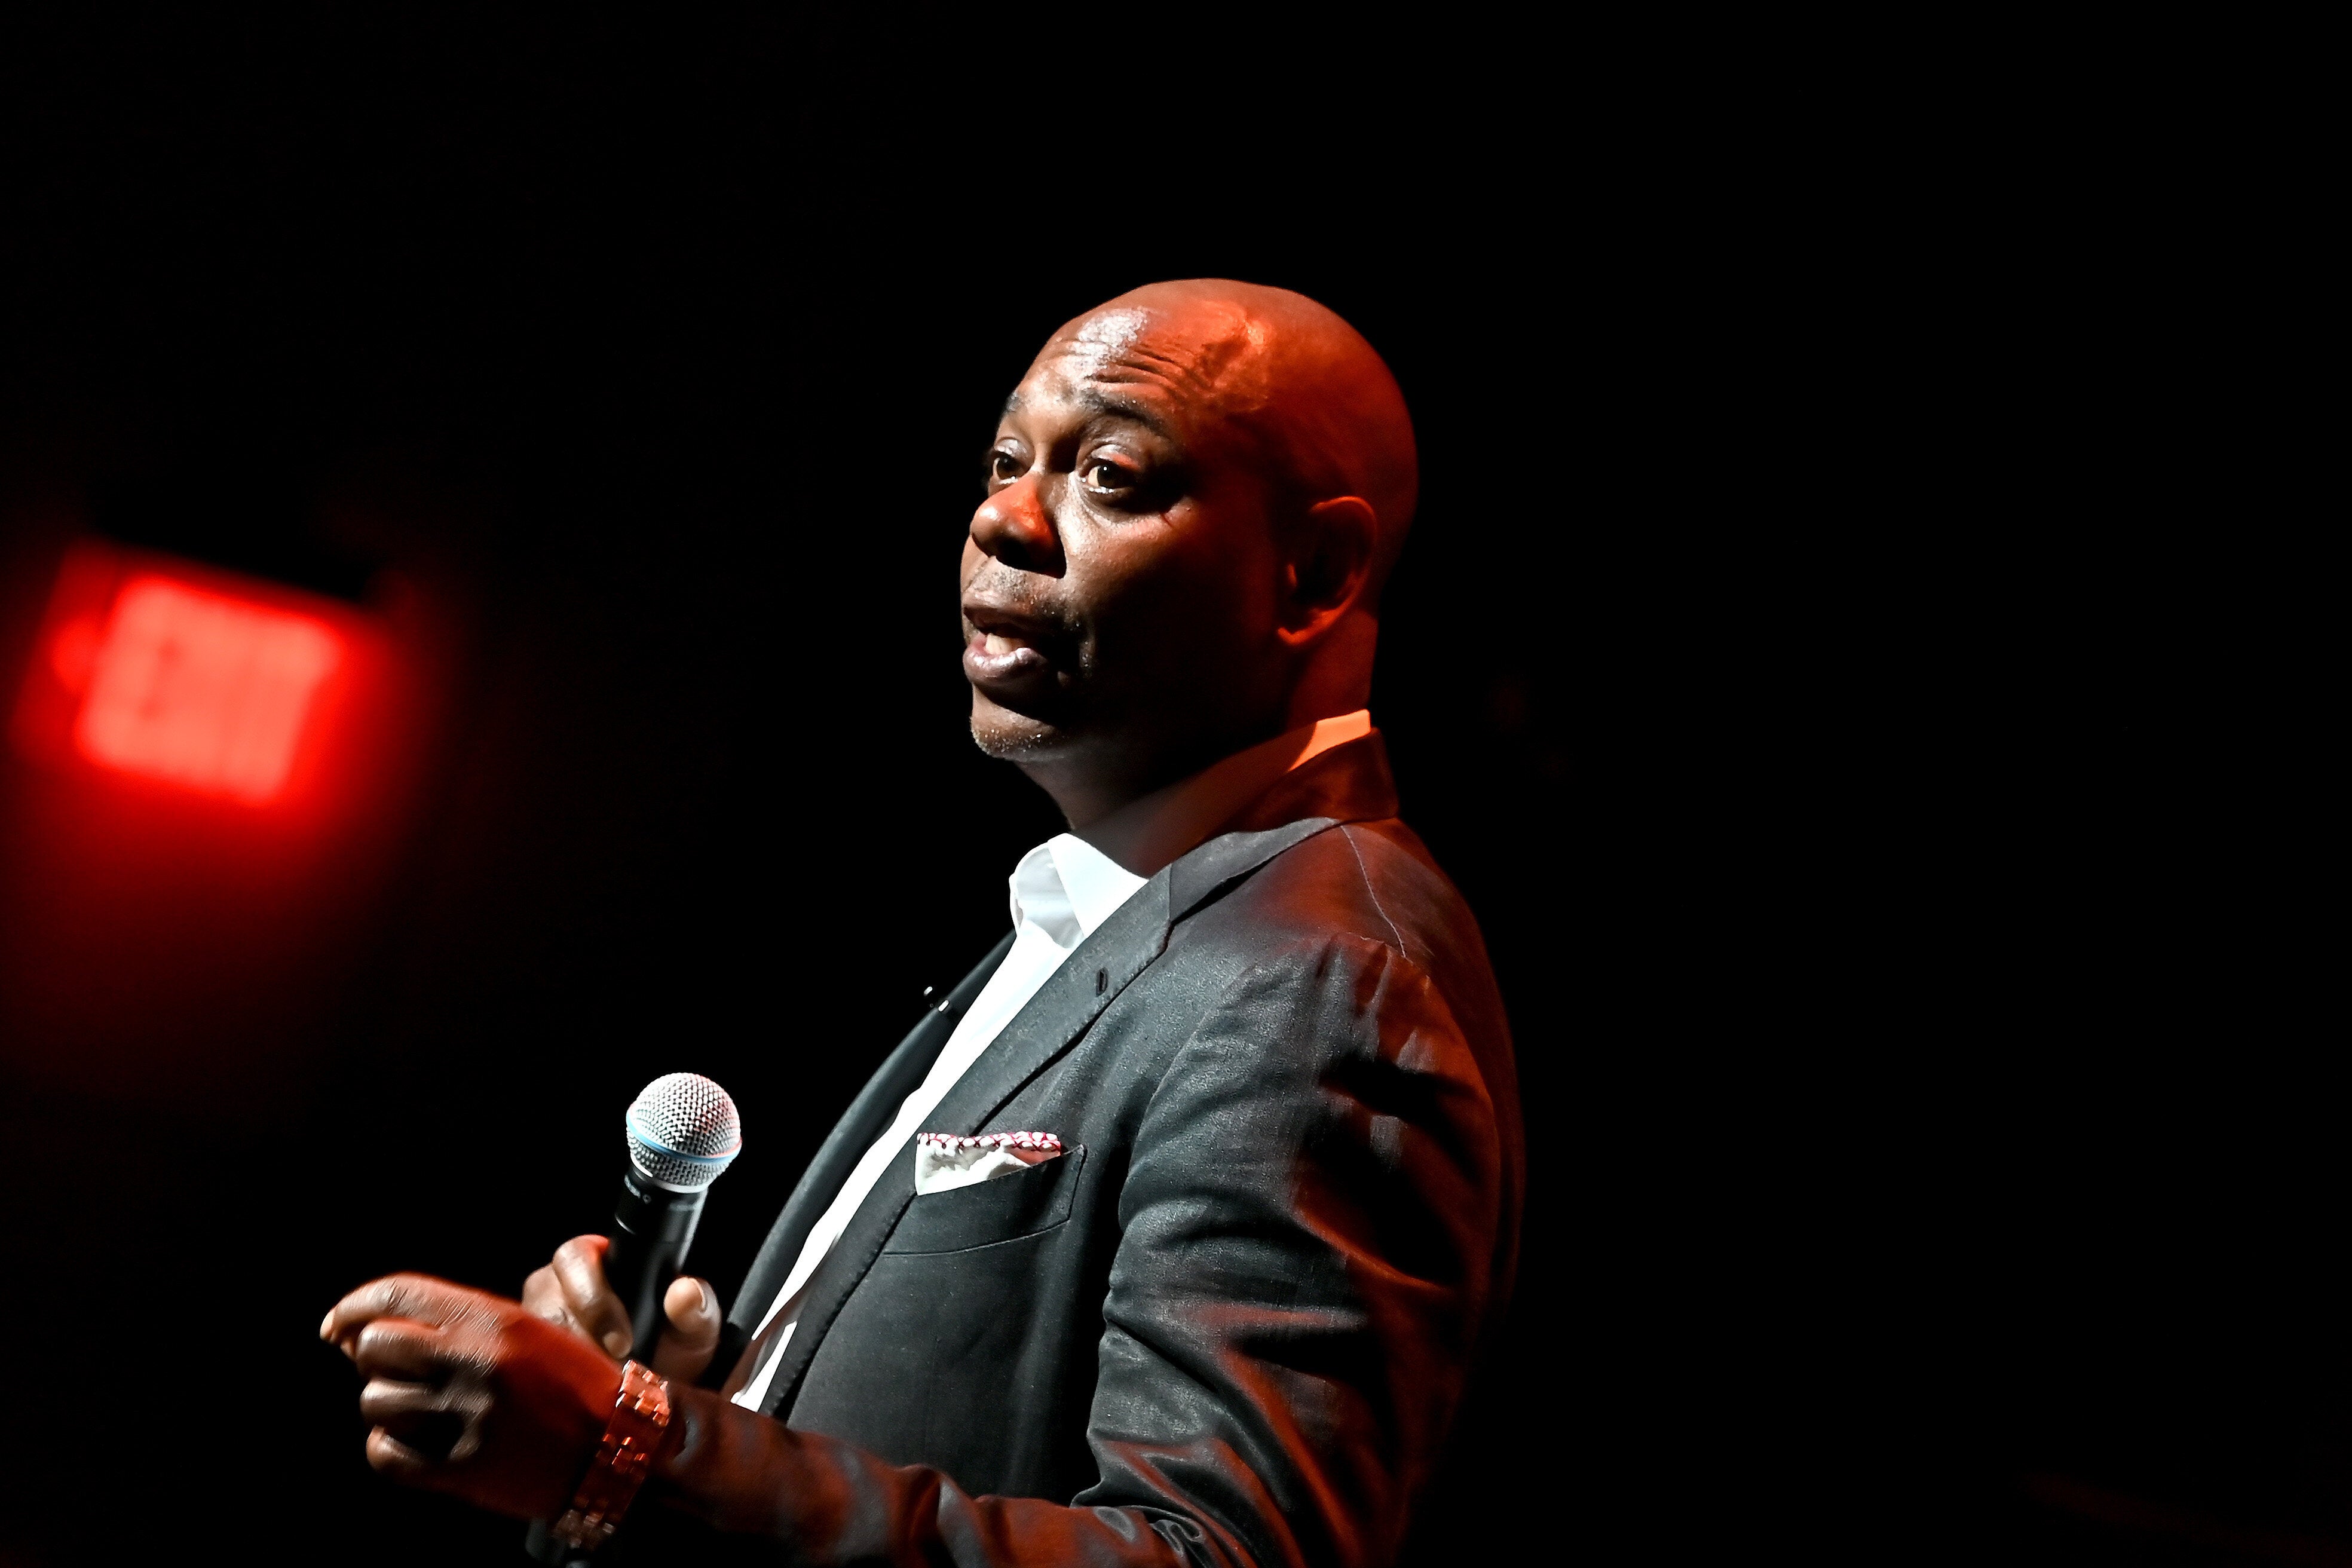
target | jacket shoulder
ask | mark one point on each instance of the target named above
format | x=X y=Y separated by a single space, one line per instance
x=1373 y=880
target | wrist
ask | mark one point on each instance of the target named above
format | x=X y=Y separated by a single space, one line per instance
x=638 y=1427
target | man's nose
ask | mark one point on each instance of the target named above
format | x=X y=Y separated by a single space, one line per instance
x=1013 y=526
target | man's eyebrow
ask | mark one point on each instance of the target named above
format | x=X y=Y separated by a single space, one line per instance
x=1121 y=408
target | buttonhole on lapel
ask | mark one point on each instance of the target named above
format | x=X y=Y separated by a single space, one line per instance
x=1102 y=980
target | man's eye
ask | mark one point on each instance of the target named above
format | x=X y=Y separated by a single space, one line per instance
x=1003 y=468
x=1107 y=477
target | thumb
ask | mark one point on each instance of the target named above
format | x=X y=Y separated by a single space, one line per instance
x=692 y=1331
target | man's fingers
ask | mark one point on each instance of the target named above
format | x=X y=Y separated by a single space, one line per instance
x=692 y=1307
x=542 y=1295
x=578 y=1266
x=397 y=1406
x=417 y=1295
x=398 y=1347
x=428 y=1423
x=692 y=1332
x=393 y=1458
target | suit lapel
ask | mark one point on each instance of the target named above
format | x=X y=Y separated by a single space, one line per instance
x=1058 y=1014
x=863 y=1122
x=1088 y=981
x=1073 y=997
x=1224 y=861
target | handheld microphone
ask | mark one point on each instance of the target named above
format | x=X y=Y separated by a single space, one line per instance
x=683 y=1132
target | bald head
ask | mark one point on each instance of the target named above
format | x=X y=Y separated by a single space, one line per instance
x=1281 y=372
x=1193 y=497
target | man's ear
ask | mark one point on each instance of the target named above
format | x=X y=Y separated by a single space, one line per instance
x=1327 y=565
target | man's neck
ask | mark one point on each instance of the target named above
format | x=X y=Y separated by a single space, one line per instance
x=1148 y=832
x=1093 y=778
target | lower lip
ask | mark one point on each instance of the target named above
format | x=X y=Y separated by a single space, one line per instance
x=1017 y=663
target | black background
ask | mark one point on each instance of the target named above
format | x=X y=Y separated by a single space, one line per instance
x=1808 y=662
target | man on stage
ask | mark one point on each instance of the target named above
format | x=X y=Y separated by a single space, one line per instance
x=1174 y=1234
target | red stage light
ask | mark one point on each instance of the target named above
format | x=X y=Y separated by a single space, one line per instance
x=204 y=691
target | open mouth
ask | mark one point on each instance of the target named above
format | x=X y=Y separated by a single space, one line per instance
x=1000 y=654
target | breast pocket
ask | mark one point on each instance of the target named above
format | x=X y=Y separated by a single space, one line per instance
x=1003 y=1208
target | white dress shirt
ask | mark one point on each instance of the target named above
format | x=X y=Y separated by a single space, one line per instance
x=1062 y=890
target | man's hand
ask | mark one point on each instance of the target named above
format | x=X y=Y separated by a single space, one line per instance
x=473 y=1393
x=570 y=1292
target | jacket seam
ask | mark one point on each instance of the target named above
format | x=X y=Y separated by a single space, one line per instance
x=1347 y=832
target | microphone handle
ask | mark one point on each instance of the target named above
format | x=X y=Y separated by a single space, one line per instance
x=652 y=1229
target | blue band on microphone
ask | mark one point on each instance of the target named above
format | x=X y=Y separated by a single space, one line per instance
x=629 y=1125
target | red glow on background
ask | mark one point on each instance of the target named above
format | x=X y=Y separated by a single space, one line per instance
x=210 y=777
x=158 y=680
x=193 y=687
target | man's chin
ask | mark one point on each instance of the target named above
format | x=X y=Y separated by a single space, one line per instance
x=1017 y=737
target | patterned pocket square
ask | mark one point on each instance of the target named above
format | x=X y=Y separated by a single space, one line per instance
x=943 y=1161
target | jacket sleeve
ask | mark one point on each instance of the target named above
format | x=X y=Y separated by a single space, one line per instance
x=1308 y=1232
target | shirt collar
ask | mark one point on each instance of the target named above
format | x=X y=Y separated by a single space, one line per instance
x=1070 y=884
x=1065 y=888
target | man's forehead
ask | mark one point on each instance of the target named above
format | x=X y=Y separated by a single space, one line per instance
x=1208 y=359
x=1106 y=334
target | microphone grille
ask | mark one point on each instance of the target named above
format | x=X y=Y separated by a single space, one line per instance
x=683 y=1131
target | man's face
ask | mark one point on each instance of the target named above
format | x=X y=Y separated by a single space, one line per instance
x=1120 y=580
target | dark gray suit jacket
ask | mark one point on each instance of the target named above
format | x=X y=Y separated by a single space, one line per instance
x=1233 y=1322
